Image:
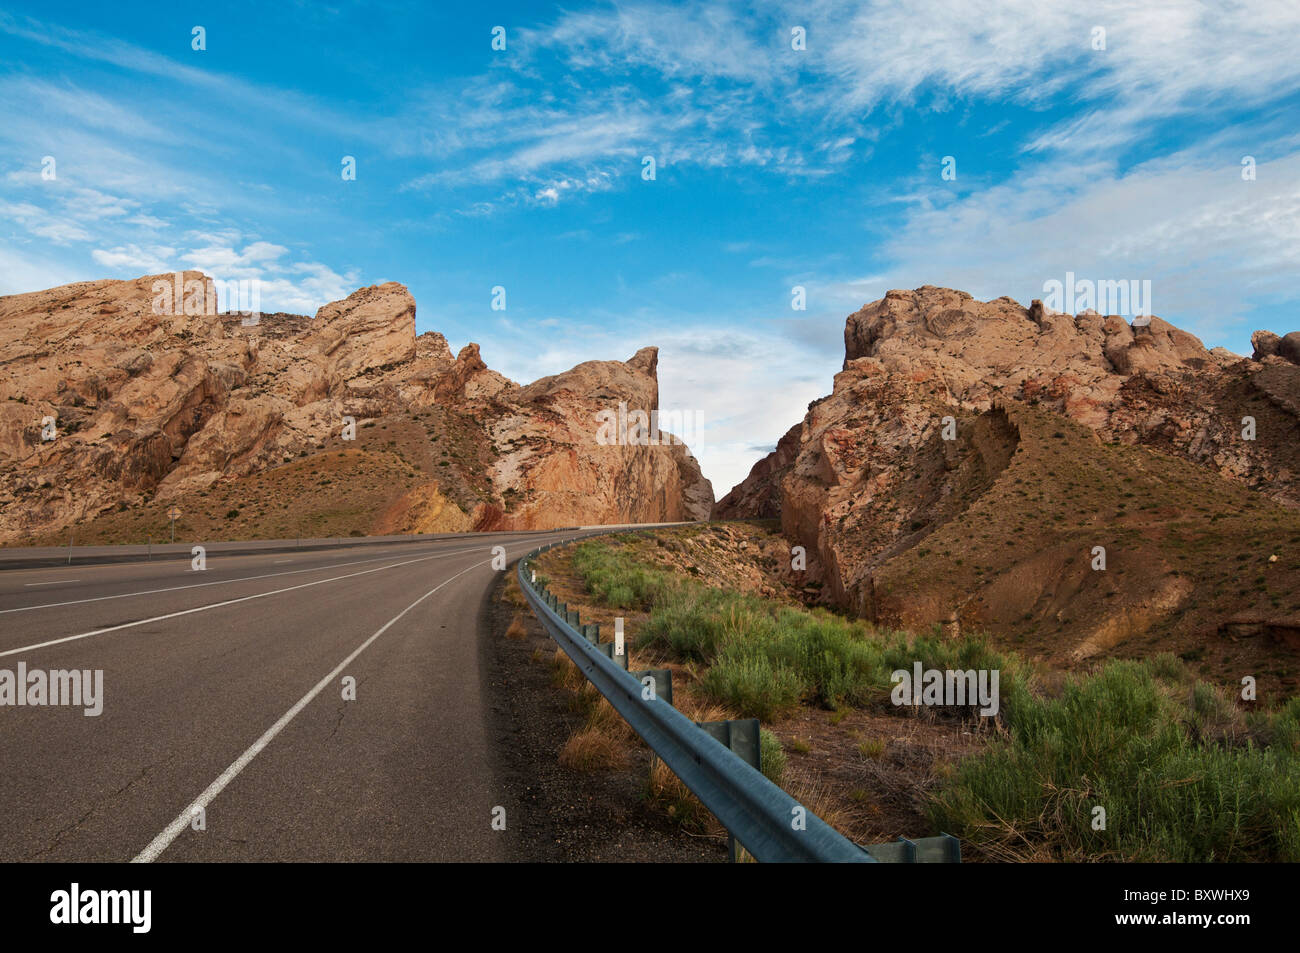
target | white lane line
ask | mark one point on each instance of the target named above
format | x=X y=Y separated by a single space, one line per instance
x=228 y=602
x=196 y=585
x=278 y=561
x=52 y=583
x=183 y=820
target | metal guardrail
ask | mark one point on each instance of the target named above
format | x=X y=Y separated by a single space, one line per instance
x=767 y=821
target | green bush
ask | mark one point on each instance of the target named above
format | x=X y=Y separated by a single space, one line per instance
x=618 y=581
x=752 y=684
x=1127 y=741
x=693 y=622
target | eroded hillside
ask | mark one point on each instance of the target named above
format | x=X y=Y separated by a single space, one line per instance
x=116 y=405
x=976 y=458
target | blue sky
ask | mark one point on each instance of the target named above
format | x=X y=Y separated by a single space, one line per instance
x=775 y=167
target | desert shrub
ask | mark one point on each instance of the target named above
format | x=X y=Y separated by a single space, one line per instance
x=694 y=622
x=1182 y=776
x=617 y=580
x=751 y=684
x=765 y=657
x=1128 y=741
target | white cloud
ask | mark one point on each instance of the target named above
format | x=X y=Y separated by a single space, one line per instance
x=1212 y=244
x=690 y=42
x=553 y=191
x=93 y=205
x=296 y=287
x=90 y=45
x=225 y=261
x=733 y=65
x=308 y=294
x=133 y=260
x=45 y=224
x=749 y=387
x=299 y=287
x=20 y=273
x=148 y=221
x=63 y=104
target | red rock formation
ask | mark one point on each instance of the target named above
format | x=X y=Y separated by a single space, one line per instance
x=161 y=404
x=1155 y=385
x=871 y=487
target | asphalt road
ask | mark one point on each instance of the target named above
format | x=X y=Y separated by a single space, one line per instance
x=223 y=689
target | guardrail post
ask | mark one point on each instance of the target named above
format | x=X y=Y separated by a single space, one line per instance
x=661 y=683
x=607 y=649
x=743 y=736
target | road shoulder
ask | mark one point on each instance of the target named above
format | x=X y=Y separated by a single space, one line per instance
x=559 y=814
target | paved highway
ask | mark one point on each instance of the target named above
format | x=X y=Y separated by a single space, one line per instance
x=223 y=690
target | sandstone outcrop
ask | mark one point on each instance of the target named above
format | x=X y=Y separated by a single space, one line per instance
x=918 y=466
x=1152 y=384
x=114 y=392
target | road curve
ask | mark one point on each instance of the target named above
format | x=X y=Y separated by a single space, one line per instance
x=224 y=690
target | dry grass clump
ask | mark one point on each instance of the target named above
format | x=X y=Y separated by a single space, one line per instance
x=518 y=630
x=604 y=741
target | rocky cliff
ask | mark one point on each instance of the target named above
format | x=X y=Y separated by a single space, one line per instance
x=972 y=454
x=124 y=397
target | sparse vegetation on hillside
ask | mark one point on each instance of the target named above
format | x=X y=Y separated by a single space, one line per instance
x=1186 y=550
x=1182 y=772
x=763 y=658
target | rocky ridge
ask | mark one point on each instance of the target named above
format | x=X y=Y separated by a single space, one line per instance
x=149 y=403
x=894 y=514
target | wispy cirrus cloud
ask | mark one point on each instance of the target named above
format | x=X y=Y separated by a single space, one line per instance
x=284 y=104
x=1213 y=243
x=1160 y=59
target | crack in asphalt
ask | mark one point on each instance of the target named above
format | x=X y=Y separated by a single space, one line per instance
x=62 y=834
